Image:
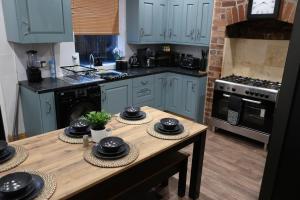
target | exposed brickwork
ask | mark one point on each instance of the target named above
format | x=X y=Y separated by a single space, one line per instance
x=227 y=12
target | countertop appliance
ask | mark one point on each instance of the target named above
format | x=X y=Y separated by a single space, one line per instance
x=245 y=106
x=33 y=72
x=190 y=62
x=71 y=104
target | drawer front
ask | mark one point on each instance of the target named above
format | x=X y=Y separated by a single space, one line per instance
x=143 y=94
x=143 y=82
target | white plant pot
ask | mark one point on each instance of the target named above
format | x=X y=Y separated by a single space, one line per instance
x=98 y=135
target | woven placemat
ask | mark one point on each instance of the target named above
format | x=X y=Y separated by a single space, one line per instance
x=154 y=133
x=49 y=184
x=19 y=157
x=63 y=137
x=146 y=120
x=131 y=157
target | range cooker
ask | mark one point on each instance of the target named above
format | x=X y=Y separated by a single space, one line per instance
x=245 y=106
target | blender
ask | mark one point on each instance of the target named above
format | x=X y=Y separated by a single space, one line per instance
x=33 y=72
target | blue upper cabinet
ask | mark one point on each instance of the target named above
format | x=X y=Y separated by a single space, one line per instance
x=204 y=21
x=190 y=10
x=162 y=20
x=147 y=20
x=174 y=21
x=36 y=21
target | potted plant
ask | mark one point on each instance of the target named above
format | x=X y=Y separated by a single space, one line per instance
x=97 y=121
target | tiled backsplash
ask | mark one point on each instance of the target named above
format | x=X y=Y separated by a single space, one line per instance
x=263 y=59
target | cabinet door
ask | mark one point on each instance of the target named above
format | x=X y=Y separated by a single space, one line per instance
x=204 y=20
x=190 y=97
x=147 y=20
x=116 y=96
x=161 y=20
x=44 y=21
x=174 y=93
x=190 y=9
x=175 y=8
x=160 y=85
x=48 y=112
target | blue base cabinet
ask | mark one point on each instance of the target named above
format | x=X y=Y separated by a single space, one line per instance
x=115 y=96
x=143 y=91
x=38 y=112
x=160 y=89
x=36 y=21
x=174 y=93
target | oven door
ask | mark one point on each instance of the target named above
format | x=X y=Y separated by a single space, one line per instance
x=220 y=105
x=257 y=115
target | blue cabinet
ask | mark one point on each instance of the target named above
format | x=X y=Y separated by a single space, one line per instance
x=175 y=8
x=160 y=88
x=204 y=21
x=161 y=21
x=174 y=93
x=147 y=20
x=190 y=10
x=36 y=21
x=115 y=96
x=38 y=112
x=193 y=97
x=143 y=91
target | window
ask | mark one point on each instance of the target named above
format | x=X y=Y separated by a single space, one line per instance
x=100 y=46
x=96 y=26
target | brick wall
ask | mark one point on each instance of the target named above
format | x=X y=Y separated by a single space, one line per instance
x=228 y=12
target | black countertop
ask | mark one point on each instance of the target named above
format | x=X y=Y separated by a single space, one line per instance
x=50 y=84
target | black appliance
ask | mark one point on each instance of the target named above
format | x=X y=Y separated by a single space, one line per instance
x=146 y=57
x=257 y=100
x=33 y=72
x=71 y=104
x=190 y=62
x=121 y=64
x=134 y=61
x=2 y=132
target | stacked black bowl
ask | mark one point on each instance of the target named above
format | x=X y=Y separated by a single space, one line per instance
x=78 y=129
x=111 y=148
x=20 y=185
x=133 y=113
x=6 y=152
x=169 y=126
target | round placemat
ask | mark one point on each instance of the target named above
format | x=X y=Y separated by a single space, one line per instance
x=49 y=184
x=63 y=137
x=154 y=133
x=19 y=157
x=131 y=157
x=146 y=120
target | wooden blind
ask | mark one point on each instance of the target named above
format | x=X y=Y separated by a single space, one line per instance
x=95 y=17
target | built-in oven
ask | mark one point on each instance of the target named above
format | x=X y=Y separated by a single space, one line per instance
x=256 y=114
x=74 y=103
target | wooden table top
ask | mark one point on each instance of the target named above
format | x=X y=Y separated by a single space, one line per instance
x=48 y=154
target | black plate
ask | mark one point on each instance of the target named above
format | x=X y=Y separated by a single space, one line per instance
x=74 y=132
x=4 y=154
x=105 y=153
x=3 y=145
x=69 y=134
x=141 y=116
x=181 y=129
x=31 y=192
x=161 y=127
x=15 y=183
x=105 y=157
x=11 y=154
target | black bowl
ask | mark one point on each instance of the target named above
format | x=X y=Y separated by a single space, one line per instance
x=79 y=125
x=3 y=145
x=111 y=144
x=169 y=123
x=132 y=111
x=15 y=183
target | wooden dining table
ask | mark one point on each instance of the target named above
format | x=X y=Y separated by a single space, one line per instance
x=74 y=175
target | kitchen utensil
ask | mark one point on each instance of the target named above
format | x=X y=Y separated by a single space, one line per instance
x=15 y=183
x=169 y=123
x=111 y=144
x=132 y=110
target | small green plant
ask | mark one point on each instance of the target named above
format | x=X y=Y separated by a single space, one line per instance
x=98 y=120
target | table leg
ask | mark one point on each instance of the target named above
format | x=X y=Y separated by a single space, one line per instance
x=197 y=164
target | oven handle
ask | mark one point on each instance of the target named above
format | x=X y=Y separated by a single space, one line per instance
x=244 y=99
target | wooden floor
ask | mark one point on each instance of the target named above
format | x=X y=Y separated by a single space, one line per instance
x=233 y=169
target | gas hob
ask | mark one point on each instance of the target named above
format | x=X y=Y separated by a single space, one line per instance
x=245 y=86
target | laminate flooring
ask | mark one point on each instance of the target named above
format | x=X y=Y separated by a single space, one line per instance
x=233 y=169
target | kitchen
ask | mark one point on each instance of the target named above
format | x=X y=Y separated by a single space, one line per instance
x=215 y=42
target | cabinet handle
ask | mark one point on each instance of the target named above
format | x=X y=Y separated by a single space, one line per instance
x=49 y=107
x=192 y=34
x=142 y=32
x=198 y=34
x=27 y=26
x=104 y=96
x=165 y=33
x=170 y=34
x=144 y=82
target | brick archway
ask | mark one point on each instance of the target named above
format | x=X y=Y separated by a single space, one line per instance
x=228 y=12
